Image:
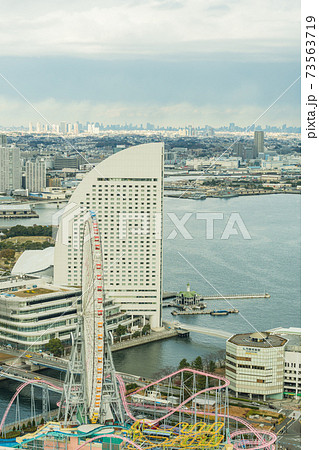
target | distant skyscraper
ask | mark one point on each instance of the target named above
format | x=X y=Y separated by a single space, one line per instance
x=30 y=127
x=10 y=166
x=35 y=175
x=62 y=127
x=239 y=149
x=258 y=142
x=126 y=193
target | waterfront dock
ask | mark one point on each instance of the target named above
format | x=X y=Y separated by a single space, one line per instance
x=157 y=336
x=235 y=296
x=167 y=304
x=211 y=312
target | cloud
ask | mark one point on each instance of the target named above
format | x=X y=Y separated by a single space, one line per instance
x=111 y=28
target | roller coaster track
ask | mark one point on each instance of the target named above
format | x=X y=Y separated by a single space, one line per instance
x=17 y=392
x=249 y=429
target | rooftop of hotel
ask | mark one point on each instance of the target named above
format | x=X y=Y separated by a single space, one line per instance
x=258 y=339
x=35 y=289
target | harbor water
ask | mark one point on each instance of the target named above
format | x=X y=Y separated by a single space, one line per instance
x=268 y=261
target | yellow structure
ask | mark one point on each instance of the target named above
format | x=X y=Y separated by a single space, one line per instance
x=183 y=435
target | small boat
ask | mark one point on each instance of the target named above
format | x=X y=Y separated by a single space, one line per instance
x=198 y=196
x=219 y=313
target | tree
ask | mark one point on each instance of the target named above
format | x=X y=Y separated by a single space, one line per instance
x=136 y=334
x=146 y=329
x=7 y=253
x=221 y=357
x=198 y=363
x=211 y=366
x=120 y=330
x=55 y=346
x=183 y=363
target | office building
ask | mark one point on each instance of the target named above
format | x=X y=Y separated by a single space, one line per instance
x=249 y=153
x=10 y=166
x=126 y=193
x=238 y=149
x=61 y=162
x=255 y=365
x=292 y=364
x=258 y=143
x=35 y=175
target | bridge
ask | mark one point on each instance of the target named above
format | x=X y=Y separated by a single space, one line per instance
x=35 y=360
x=23 y=375
x=202 y=330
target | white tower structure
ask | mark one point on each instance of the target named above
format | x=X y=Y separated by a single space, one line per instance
x=90 y=392
x=126 y=193
x=35 y=175
x=10 y=166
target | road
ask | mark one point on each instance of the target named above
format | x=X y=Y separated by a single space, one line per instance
x=22 y=375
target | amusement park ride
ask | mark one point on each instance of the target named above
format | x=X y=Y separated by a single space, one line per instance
x=187 y=409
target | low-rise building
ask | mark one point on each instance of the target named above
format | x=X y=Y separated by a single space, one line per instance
x=21 y=211
x=255 y=364
x=292 y=364
x=32 y=312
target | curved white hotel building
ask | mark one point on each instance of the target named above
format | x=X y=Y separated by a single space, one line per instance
x=126 y=193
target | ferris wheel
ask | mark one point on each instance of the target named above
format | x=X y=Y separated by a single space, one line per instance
x=91 y=392
x=92 y=318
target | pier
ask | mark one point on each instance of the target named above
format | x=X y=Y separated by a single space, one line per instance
x=174 y=304
x=235 y=296
x=212 y=312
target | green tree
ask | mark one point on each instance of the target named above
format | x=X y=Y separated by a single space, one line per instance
x=211 y=366
x=120 y=330
x=55 y=346
x=7 y=253
x=198 y=363
x=200 y=379
x=183 y=363
x=136 y=334
x=146 y=329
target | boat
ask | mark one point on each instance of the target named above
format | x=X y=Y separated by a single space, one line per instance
x=219 y=313
x=198 y=196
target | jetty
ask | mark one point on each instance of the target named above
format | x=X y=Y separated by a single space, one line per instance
x=212 y=312
x=234 y=296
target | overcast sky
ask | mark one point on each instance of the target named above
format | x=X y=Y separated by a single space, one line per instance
x=169 y=62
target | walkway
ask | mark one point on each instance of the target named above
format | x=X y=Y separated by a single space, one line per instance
x=202 y=330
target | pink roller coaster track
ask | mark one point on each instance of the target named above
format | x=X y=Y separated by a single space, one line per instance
x=17 y=392
x=179 y=407
x=249 y=428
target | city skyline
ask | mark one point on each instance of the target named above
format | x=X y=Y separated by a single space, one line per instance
x=199 y=63
x=95 y=127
